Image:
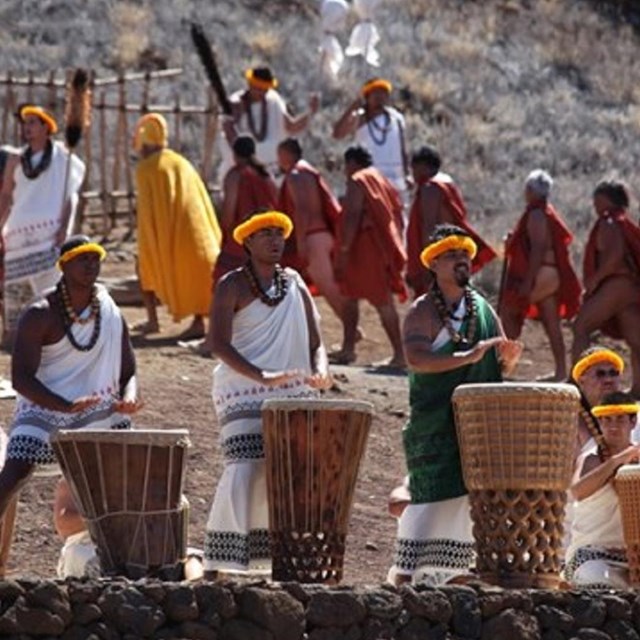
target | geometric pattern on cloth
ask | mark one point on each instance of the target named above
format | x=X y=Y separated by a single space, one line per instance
x=237 y=548
x=248 y=410
x=29 y=264
x=17 y=295
x=437 y=552
x=589 y=552
x=245 y=446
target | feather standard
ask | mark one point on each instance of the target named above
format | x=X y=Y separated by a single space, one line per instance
x=77 y=114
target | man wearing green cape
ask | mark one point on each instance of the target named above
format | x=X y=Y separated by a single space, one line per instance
x=451 y=336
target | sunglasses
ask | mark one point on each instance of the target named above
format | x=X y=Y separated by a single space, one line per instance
x=606 y=373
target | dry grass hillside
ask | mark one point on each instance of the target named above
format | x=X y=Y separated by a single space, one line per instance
x=500 y=86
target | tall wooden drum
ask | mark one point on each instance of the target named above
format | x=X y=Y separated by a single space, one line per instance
x=627 y=484
x=313 y=450
x=516 y=445
x=128 y=487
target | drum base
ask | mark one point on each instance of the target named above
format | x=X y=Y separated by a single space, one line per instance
x=633 y=558
x=518 y=536
x=309 y=557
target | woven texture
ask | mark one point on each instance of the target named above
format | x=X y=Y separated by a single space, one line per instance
x=518 y=536
x=516 y=436
x=313 y=452
x=628 y=489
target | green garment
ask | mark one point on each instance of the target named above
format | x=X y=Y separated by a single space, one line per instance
x=430 y=441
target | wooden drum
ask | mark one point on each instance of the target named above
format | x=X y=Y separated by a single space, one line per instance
x=627 y=484
x=128 y=487
x=517 y=444
x=313 y=450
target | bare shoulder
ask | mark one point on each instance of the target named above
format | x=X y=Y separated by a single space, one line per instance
x=40 y=318
x=422 y=318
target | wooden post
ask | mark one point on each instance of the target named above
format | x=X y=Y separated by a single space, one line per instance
x=104 y=191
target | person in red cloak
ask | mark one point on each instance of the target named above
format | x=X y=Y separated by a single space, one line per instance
x=540 y=281
x=611 y=277
x=437 y=200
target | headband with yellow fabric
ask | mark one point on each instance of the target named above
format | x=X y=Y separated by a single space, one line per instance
x=261 y=78
x=597 y=357
x=260 y=221
x=603 y=410
x=78 y=245
x=151 y=130
x=449 y=243
x=376 y=83
x=43 y=114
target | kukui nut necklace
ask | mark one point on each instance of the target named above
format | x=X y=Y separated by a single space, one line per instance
x=470 y=316
x=30 y=171
x=280 y=281
x=590 y=422
x=374 y=127
x=70 y=317
x=261 y=134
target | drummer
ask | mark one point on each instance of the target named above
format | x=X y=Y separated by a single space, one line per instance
x=597 y=555
x=72 y=365
x=265 y=333
x=451 y=336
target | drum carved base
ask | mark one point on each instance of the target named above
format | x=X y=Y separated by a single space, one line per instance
x=633 y=558
x=310 y=557
x=518 y=536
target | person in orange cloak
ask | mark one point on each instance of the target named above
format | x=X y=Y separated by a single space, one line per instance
x=371 y=258
x=540 y=281
x=437 y=200
x=611 y=277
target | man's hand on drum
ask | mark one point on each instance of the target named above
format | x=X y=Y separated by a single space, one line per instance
x=80 y=404
x=319 y=380
x=128 y=406
x=509 y=352
x=627 y=456
x=274 y=378
x=476 y=353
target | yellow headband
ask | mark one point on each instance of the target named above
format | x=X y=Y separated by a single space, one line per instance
x=435 y=249
x=614 y=410
x=602 y=355
x=259 y=83
x=372 y=85
x=90 y=247
x=151 y=130
x=262 y=221
x=39 y=112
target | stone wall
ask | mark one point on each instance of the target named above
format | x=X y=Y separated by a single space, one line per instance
x=114 y=609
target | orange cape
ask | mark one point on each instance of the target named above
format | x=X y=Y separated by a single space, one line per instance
x=377 y=257
x=631 y=233
x=517 y=256
x=458 y=212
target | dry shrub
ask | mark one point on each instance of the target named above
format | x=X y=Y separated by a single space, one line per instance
x=265 y=42
x=461 y=50
x=420 y=85
x=131 y=24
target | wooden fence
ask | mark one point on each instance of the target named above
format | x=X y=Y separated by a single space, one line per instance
x=108 y=194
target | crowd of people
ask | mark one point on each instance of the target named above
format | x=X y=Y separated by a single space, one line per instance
x=251 y=266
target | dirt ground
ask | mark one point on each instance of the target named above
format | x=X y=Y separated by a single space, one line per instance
x=176 y=385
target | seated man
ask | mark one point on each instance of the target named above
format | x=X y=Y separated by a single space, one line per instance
x=597 y=555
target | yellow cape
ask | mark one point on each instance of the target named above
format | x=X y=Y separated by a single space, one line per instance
x=178 y=234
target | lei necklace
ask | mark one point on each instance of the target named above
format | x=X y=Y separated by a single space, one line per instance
x=280 y=281
x=70 y=317
x=261 y=134
x=603 y=449
x=446 y=316
x=31 y=172
x=374 y=127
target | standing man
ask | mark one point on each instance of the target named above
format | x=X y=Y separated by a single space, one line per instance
x=308 y=200
x=37 y=211
x=260 y=111
x=371 y=258
x=540 y=281
x=265 y=332
x=451 y=336
x=379 y=128
x=178 y=233
x=72 y=366
x=611 y=277
x=437 y=201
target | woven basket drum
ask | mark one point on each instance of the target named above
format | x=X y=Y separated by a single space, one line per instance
x=313 y=450
x=516 y=446
x=627 y=484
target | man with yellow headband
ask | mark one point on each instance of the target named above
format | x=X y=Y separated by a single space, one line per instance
x=451 y=336
x=37 y=211
x=178 y=233
x=266 y=336
x=72 y=367
x=260 y=111
x=596 y=557
x=380 y=129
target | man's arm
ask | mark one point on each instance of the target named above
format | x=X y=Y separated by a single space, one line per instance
x=294 y=126
x=129 y=401
x=6 y=194
x=349 y=121
x=303 y=190
x=231 y=187
x=430 y=210
x=611 y=247
x=418 y=332
x=319 y=360
x=351 y=218
x=538 y=233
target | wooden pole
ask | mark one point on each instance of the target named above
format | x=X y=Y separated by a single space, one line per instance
x=103 y=167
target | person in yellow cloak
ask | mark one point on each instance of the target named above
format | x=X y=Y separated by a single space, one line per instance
x=178 y=233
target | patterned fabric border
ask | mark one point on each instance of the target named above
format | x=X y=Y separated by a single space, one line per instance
x=246 y=446
x=584 y=554
x=17 y=268
x=438 y=552
x=239 y=549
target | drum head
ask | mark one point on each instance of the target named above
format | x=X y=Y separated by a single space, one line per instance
x=306 y=404
x=153 y=437
x=515 y=388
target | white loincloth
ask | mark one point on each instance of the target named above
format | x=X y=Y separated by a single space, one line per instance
x=78 y=557
x=275 y=339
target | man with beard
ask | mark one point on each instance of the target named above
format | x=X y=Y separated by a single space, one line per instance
x=451 y=336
